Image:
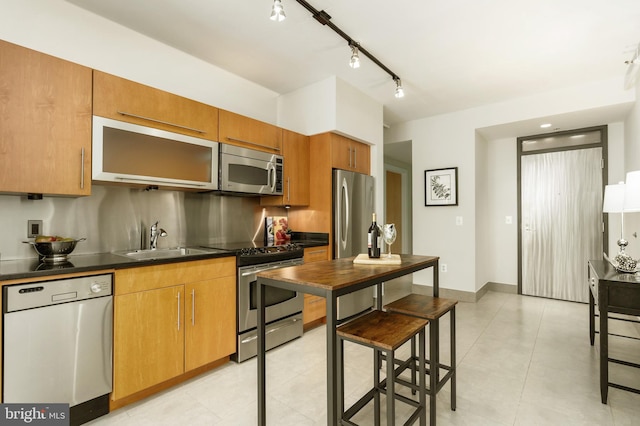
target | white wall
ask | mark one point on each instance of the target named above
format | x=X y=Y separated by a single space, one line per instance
x=483 y=212
x=450 y=140
x=502 y=198
x=632 y=163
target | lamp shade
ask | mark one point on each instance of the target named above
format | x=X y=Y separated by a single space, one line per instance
x=632 y=192
x=614 y=198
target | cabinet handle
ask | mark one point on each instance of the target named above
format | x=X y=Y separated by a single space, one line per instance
x=355 y=158
x=193 y=306
x=178 y=311
x=349 y=156
x=153 y=120
x=288 y=189
x=82 y=168
x=229 y=138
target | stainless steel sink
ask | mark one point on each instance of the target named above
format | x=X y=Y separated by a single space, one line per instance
x=166 y=253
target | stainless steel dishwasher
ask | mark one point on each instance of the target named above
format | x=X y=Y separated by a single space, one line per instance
x=58 y=344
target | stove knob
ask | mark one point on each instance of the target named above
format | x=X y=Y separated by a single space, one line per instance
x=96 y=288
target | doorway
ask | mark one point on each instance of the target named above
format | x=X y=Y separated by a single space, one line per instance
x=561 y=178
x=393 y=206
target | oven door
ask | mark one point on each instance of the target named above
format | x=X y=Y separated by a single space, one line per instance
x=279 y=303
x=248 y=171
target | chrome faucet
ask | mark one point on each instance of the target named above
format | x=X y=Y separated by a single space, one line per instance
x=154 y=234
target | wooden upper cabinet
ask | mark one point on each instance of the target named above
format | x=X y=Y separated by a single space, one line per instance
x=348 y=154
x=45 y=123
x=236 y=129
x=125 y=100
x=295 y=150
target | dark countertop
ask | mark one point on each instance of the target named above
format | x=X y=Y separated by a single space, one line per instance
x=33 y=267
x=30 y=268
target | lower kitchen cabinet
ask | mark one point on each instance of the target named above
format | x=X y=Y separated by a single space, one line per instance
x=170 y=319
x=210 y=316
x=315 y=307
x=148 y=343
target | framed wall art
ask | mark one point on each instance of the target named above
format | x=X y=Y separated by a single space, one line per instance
x=441 y=187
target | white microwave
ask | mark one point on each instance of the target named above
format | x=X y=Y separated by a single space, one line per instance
x=132 y=154
x=248 y=171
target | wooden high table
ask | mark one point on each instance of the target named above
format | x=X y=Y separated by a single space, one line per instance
x=329 y=279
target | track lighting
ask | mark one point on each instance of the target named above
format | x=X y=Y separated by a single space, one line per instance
x=325 y=19
x=277 y=11
x=399 y=89
x=354 y=62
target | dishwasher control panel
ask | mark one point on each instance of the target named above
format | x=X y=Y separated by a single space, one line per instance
x=44 y=293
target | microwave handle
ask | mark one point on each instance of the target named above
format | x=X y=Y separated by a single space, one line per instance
x=271 y=179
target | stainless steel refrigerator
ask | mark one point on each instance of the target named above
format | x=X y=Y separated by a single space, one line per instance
x=353 y=204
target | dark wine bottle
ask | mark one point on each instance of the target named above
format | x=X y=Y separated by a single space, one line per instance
x=373 y=239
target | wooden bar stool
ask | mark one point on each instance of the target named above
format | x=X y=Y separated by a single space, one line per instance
x=430 y=308
x=384 y=332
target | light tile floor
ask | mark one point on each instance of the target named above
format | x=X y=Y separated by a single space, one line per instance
x=521 y=361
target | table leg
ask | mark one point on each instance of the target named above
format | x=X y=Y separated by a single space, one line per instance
x=434 y=367
x=604 y=345
x=436 y=280
x=332 y=375
x=592 y=319
x=262 y=412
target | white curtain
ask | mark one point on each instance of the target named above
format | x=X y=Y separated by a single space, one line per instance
x=561 y=204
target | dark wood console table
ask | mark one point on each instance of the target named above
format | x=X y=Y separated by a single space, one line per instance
x=329 y=279
x=614 y=293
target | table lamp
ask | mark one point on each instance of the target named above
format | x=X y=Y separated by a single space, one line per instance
x=614 y=202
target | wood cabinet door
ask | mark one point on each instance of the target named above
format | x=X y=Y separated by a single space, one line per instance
x=295 y=149
x=236 y=129
x=362 y=158
x=125 y=100
x=315 y=307
x=348 y=154
x=45 y=123
x=148 y=339
x=210 y=315
x=341 y=154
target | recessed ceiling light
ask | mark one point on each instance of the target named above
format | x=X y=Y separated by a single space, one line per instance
x=545 y=125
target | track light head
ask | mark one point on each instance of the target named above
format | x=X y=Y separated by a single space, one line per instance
x=399 y=89
x=277 y=11
x=354 y=62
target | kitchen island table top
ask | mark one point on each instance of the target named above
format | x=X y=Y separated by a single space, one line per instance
x=330 y=279
x=342 y=275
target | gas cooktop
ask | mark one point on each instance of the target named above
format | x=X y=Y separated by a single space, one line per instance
x=250 y=253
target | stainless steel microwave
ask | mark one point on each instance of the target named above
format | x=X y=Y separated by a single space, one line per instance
x=248 y=171
x=131 y=154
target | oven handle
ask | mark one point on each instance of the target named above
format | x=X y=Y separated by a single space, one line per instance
x=268 y=268
x=271 y=330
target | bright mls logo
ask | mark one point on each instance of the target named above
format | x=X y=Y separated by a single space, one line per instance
x=34 y=414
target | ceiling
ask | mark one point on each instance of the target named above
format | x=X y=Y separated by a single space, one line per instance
x=450 y=55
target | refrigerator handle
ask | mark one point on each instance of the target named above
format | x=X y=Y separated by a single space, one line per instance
x=345 y=203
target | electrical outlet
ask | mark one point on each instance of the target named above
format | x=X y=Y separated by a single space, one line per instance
x=459 y=220
x=34 y=228
x=443 y=267
x=508 y=220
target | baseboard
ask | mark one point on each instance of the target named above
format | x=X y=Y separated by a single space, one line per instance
x=466 y=296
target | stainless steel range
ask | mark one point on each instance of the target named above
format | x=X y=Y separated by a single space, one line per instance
x=284 y=307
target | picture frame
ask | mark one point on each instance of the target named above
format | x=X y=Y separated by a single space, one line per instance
x=441 y=187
